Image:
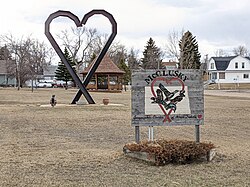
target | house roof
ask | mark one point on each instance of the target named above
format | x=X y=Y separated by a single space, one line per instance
x=3 y=67
x=169 y=64
x=106 y=66
x=222 y=62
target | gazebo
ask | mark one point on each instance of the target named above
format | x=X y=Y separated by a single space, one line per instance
x=107 y=77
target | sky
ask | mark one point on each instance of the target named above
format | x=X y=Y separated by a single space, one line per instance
x=217 y=24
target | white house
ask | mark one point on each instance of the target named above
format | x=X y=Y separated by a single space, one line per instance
x=6 y=79
x=232 y=69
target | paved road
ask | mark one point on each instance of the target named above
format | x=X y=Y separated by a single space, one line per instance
x=232 y=93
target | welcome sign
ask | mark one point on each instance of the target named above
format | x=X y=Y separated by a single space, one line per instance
x=167 y=97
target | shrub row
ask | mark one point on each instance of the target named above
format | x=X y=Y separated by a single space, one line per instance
x=172 y=151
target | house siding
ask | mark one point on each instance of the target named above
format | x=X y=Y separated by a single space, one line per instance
x=239 y=60
x=5 y=78
x=212 y=64
x=5 y=81
x=236 y=77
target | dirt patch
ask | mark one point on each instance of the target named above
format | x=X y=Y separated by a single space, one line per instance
x=82 y=145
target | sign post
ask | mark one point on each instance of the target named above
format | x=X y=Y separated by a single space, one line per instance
x=167 y=98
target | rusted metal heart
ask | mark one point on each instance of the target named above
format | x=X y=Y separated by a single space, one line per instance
x=58 y=50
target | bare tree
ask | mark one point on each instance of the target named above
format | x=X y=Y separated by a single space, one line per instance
x=4 y=53
x=172 y=46
x=85 y=43
x=220 y=53
x=79 y=42
x=204 y=64
x=99 y=43
x=39 y=58
x=241 y=50
x=29 y=57
x=118 y=52
x=133 y=59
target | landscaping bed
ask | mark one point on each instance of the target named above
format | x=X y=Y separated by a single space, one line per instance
x=161 y=152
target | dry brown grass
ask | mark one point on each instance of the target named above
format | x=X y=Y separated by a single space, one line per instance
x=82 y=145
x=229 y=86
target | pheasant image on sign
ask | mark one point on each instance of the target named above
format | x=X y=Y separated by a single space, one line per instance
x=161 y=97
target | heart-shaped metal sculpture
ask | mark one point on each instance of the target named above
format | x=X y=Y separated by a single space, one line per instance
x=58 y=50
x=167 y=104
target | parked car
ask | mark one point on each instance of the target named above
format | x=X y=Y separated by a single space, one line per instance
x=59 y=83
x=29 y=84
x=44 y=85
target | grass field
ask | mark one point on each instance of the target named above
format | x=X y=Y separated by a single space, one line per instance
x=81 y=145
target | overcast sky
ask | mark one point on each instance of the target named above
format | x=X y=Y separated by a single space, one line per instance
x=217 y=24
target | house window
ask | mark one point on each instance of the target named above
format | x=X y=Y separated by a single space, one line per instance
x=212 y=66
x=236 y=65
x=214 y=76
x=222 y=75
x=243 y=65
x=245 y=76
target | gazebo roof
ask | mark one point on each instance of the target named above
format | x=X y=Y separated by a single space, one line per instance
x=107 y=66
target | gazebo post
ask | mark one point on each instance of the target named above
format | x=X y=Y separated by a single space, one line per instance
x=118 y=82
x=96 y=83
x=108 y=83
